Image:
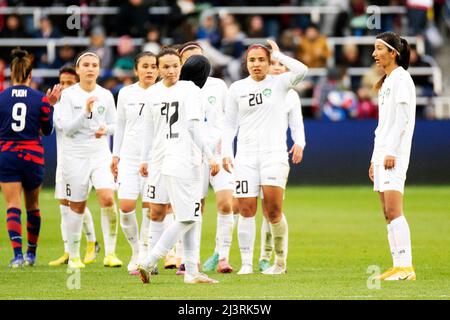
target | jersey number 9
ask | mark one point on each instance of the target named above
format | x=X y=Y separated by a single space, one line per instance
x=19 y=113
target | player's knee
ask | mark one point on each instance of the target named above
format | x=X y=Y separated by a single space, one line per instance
x=274 y=215
x=107 y=201
x=157 y=215
x=224 y=207
x=391 y=213
x=247 y=210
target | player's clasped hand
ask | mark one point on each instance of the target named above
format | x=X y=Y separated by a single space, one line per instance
x=214 y=167
x=100 y=132
x=143 y=170
x=90 y=103
x=297 y=154
x=54 y=94
x=389 y=162
x=227 y=164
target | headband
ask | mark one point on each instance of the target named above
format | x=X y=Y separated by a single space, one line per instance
x=191 y=46
x=389 y=46
x=86 y=54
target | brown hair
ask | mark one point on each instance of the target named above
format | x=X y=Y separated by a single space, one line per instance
x=141 y=55
x=21 y=66
x=258 y=46
x=166 y=51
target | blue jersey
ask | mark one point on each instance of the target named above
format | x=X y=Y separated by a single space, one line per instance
x=25 y=113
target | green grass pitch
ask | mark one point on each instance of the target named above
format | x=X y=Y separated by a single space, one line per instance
x=336 y=234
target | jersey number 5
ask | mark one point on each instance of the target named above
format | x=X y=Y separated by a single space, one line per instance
x=19 y=113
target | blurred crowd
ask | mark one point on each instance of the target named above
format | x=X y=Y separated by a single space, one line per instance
x=335 y=96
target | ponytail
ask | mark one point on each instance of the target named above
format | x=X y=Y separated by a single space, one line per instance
x=21 y=66
x=403 y=60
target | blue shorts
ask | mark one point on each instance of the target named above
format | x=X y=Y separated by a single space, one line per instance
x=15 y=169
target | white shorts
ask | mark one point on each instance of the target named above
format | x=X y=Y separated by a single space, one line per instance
x=185 y=196
x=221 y=181
x=79 y=173
x=155 y=190
x=252 y=172
x=392 y=179
x=131 y=183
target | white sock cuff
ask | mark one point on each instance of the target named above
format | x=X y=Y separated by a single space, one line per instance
x=156 y=226
x=398 y=221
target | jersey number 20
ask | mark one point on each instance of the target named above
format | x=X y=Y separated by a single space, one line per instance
x=19 y=113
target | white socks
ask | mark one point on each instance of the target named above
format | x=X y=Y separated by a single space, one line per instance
x=400 y=242
x=64 y=212
x=154 y=234
x=74 y=226
x=167 y=240
x=224 y=234
x=143 y=234
x=280 y=240
x=191 y=248
x=168 y=220
x=246 y=237
x=88 y=226
x=129 y=225
x=109 y=228
x=266 y=241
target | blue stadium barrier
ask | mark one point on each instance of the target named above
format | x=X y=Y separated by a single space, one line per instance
x=339 y=153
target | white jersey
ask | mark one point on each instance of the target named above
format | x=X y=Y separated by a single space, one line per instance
x=59 y=137
x=167 y=141
x=130 y=122
x=213 y=95
x=257 y=110
x=294 y=118
x=79 y=127
x=397 y=112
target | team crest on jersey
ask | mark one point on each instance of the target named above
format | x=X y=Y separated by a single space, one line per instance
x=212 y=100
x=101 y=110
x=267 y=92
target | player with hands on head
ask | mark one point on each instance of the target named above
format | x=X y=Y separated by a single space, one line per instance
x=253 y=113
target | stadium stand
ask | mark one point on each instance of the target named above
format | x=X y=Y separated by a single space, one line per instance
x=222 y=28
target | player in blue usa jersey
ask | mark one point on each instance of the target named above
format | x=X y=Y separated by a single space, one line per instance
x=25 y=115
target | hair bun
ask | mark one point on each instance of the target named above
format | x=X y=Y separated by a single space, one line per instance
x=19 y=53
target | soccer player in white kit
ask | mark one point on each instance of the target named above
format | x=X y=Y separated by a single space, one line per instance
x=213 y=95
x=88 y=117
x=67 y=78
x=293 y=120
x=127 y=155
x=392 y=147
x=253 y=108
x=173 y=148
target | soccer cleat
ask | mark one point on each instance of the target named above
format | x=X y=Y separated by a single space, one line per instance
x=91 y=253
x=246 y=269
x=199 y=278
x=112 y=261
x=386 y=274
x=224 y=266
x=30 y=259
x=211 y=263
x=170 y=262
x=181 y=270
x=133 y=264
x=145 y=273
x=64 y=259
x=17 y=262
x=402 y=273
x=75 y=263
x=263 y=265
x=275 y=269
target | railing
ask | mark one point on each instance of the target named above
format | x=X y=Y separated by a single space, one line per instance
x=314 y=12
